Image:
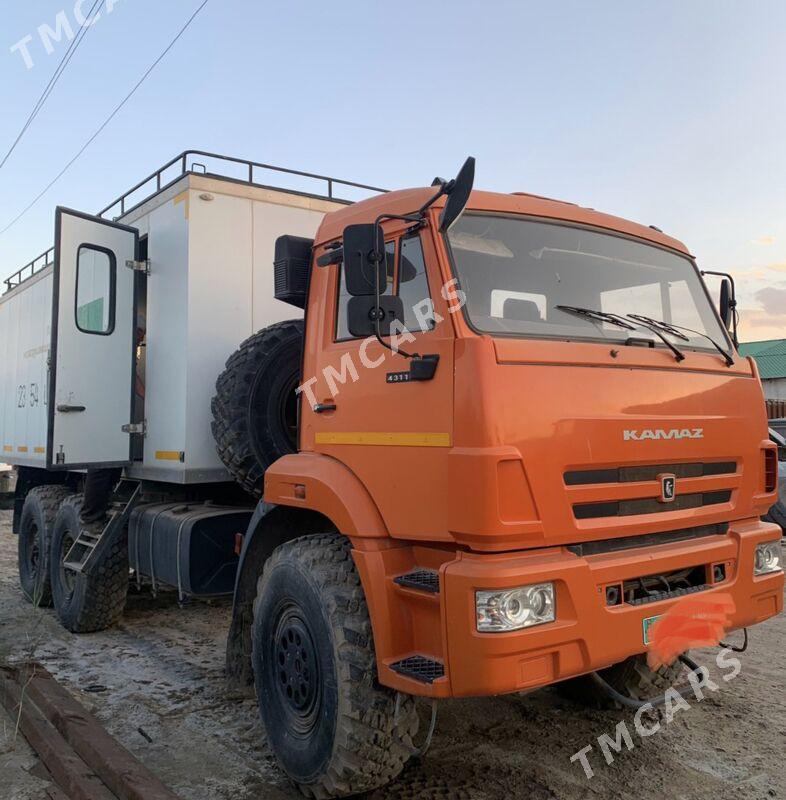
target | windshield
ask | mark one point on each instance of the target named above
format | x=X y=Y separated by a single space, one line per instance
x=516 y=271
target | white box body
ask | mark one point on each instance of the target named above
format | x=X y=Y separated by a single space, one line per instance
x=210 y=242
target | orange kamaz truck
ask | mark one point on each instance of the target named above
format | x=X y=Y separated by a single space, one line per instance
x=487 y=442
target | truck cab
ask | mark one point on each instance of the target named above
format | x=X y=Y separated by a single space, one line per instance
x=589 y=430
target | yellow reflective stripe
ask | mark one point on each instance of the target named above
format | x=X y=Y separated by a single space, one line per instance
x=169 y=455
x=183 y=197
x=39 y=450
x=21 y=449
x=8 y=448
x=391 y=439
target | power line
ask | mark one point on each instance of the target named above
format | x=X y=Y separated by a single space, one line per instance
x=106 y=121
x=68 y=55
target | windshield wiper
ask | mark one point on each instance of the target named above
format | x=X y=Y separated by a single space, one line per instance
x=599 y=315
x=615 y=319
x=674 y=330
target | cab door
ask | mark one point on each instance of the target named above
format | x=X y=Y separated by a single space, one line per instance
x=92 y=359
x=395 y=435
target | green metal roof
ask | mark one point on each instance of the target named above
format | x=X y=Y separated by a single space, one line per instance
x=770 y=357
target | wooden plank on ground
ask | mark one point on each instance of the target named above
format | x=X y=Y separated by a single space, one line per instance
x=73 y=776
x=122 y=772
x=40 y=771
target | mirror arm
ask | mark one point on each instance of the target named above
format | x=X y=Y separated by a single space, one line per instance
x=732 y=301
x=422 y=368
x=377 y=294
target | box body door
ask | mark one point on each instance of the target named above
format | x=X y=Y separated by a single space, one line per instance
x=92 y=355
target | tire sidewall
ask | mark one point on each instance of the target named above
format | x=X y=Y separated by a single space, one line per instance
x=34 y=581
x=303 y=758
x=67 y=602
x=273 y=380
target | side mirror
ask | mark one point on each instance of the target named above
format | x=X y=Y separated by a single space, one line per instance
x=365 y=267
x=363 y=311
x=725 y=308
x=458 y=195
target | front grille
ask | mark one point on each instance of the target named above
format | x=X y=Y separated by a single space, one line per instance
x=648 y=472
x=649 y=505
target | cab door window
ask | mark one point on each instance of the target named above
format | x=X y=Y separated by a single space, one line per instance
x=413 y=288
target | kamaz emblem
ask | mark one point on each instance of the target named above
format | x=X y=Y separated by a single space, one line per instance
x=660 y=433
x=668 y=488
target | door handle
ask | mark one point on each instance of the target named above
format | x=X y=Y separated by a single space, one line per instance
x=320 y=408
x=70 y=409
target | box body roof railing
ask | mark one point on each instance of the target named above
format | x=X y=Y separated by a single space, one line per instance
x=184 y=164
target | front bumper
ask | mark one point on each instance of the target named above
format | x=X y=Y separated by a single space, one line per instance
x=587 y=635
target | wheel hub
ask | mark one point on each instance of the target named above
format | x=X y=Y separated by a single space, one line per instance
x=296 y=668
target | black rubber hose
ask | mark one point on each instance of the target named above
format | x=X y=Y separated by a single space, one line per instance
x=658 y=700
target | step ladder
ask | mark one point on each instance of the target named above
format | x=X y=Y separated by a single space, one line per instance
x=91 y=544
x=419 y=667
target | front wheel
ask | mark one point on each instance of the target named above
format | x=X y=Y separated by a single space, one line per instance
x=632 y=677
x=330 y=724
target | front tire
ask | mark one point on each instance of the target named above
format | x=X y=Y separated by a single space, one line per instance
x=86 y=603
x=35 y=535
x=331 y=726
x=632 y=677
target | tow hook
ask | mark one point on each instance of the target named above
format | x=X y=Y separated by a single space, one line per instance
x=415 y=752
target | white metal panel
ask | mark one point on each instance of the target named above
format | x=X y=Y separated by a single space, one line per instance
x=166 y=339
x=93 y=339
x=24 y=348
x=219 y=311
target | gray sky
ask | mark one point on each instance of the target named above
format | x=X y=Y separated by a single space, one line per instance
x=666 y=113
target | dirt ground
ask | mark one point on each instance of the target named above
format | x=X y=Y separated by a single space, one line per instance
x=156 y=682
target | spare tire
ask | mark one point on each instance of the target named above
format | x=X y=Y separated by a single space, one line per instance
x=255 y=406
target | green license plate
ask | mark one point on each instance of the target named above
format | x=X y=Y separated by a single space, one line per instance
x=646 y=626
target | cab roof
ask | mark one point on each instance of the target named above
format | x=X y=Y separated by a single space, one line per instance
x=406 y=201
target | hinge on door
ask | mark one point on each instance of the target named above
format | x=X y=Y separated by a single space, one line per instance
x=135 y=427
x=139 y=266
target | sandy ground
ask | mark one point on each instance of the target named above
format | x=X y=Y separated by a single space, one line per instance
x=156 y=682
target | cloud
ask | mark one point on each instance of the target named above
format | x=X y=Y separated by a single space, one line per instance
x=773 y=300
x=764 y=240
x=758 y=325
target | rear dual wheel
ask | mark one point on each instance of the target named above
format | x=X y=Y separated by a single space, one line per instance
x=86 y=602
x=332 y=726
x=35 y=536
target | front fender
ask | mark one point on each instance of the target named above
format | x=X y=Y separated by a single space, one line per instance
x=270 y=526
x=320 y=483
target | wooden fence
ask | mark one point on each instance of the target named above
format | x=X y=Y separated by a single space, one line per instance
x=776 y=409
